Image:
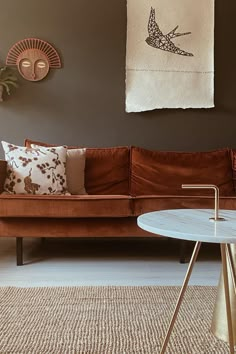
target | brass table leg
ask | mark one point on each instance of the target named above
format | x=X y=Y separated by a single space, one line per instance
x=181 y=295
x=231 y=263
x=224 y=317
x=227 y=298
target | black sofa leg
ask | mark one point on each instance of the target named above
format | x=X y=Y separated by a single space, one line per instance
x=19 y=251
x=183 y=251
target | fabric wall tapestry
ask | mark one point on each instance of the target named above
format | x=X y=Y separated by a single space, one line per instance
x=169 y=54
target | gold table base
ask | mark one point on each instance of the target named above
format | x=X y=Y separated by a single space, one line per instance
x=219 y=321
x=224 y=303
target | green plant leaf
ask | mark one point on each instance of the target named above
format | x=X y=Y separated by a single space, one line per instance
x=8 y=78
x=9 y=82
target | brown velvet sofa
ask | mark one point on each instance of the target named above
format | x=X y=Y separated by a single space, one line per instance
x=122 y=183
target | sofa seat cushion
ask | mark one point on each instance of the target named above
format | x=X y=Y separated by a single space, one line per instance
x=163 y=172
x=65 y=206
x=147 y=203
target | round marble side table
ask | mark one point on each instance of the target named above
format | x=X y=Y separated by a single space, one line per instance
x=195 y=225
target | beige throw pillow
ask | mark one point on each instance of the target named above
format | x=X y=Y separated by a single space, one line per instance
x=75 y=166
x=38 y=170
x=75 y=169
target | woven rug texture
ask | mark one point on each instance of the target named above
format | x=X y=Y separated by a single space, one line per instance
x=106 y=320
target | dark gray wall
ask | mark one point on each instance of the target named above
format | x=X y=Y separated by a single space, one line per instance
x=84 y=103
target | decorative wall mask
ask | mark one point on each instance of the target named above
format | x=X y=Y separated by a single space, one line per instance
x=33 y=58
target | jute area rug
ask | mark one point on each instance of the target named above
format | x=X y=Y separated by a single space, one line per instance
x=105 y=320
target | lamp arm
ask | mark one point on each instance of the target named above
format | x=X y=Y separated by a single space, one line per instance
x=217 y=196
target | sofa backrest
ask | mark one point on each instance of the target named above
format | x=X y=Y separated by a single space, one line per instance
x=138 y=171
x=233 y=159
x=3 y=173
x=106 y=169
x=163 y=172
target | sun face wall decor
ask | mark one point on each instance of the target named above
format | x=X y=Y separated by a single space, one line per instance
x=33 y=58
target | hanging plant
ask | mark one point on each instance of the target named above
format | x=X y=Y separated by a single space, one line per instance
x=8 y=80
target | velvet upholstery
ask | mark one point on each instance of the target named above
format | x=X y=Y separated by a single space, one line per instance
x=109 y=209
x=233 y=159
x=65 y=206
x=163 y=172
x=73 y=227
x=3 y=172
x=106 y=169
x=148 y=203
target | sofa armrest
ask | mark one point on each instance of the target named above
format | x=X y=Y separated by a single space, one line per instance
x=3 y=172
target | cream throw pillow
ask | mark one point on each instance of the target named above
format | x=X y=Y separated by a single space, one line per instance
x=38 y=170
x=75 y=166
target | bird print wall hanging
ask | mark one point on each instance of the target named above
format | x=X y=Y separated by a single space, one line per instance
x=169 y=54
x=158 y=40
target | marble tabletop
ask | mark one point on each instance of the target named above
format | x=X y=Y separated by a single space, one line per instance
x=191 y=224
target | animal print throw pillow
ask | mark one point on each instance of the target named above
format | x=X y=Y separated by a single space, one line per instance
x=75 y=166
x=39 y=170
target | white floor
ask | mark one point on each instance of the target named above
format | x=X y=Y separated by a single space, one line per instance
x=78 y=262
